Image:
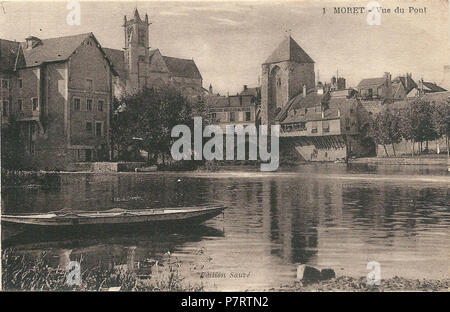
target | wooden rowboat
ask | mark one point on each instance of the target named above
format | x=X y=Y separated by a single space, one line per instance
x=75 y=219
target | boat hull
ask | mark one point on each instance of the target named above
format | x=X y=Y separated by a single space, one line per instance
x=119 y=220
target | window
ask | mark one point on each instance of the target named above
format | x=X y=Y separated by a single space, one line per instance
x=141 y=36
x=213 y=116
x=88 y=155
x=100 y=105
x=98 y=128
x=35 y=104
x=89 y=127
x=314 y=127
x=5 y=105
x=89 y=84
x=248 y=116
x=79 y=155
x=20 y=83
x=5 y=83
x=20 y=105
x=89 y=104
x=232 y=116
x=347 y=124
x=76 y=104
x=141 y=58
x=326 y=126
x=32 y=148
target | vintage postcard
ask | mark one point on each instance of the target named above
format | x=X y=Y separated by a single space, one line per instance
x=225 y=146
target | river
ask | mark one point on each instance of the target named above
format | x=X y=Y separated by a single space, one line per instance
x=326 y=215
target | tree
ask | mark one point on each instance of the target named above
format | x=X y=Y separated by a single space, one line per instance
x=420 y=116
x=144 y=121
x=441 y=121
x=385 y=129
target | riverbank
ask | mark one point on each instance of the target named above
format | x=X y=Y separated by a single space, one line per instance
x=425 y=160
x=352 y=284
x=24 y=272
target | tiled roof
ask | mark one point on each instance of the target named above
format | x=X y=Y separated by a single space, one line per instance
x=251 y=91
x=8 y=54
x=309 y=108
x=289 y=50
x=217 y=101
x=52 y=50
x=116 y=57
x=431 y=86
x=371 y=82
x=182 y=67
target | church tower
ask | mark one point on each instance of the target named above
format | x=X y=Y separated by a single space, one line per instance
x=136 y=51
x=288 y=72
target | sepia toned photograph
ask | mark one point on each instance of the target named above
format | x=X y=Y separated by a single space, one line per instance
x=219 y=146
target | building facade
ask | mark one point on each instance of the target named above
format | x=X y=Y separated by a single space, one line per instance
x=60 y=92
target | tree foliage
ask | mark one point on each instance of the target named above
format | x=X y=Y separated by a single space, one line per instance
x=385 y=129
x=144 y=121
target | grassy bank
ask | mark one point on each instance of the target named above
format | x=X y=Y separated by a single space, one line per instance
x=24 y=272
x=351 y=284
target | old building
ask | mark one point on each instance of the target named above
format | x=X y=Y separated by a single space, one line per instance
x=424 y=87
x=376 y=88
x=239 y=109
x=322 y=126
x=139 y=66
x=60 y=92
x=287 y=72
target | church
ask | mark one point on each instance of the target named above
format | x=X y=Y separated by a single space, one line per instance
x=139 y=66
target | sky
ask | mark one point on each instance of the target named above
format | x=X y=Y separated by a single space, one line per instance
x=230 y=40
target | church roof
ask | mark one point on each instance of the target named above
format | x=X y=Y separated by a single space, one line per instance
x=289 y=50
x=116 y=57
x=182 y=67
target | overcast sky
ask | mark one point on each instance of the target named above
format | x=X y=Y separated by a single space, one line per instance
x=229 y=41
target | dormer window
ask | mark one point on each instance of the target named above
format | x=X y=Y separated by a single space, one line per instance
x=32 y=42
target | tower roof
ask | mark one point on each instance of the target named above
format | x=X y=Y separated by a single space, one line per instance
x=136 y=15
x=289 y=50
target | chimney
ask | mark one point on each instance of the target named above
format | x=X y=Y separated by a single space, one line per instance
x=406 y=81
x=32 y=42
x=210 y=89
x=245 y=87
x=304 y=91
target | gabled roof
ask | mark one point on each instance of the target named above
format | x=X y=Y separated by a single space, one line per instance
x=430 y=86
x=289 y=50
x=57 y=49
x=371 y=82
x=411 y=83
x=52 y=50
x=182 y=67
x=9 y=53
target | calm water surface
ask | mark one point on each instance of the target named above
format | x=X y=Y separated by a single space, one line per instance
x=326 y=215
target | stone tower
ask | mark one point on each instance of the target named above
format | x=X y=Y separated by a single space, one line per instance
x=136 y=51
x=288 y=72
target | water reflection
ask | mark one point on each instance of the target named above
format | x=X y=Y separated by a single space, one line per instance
x=323 y=216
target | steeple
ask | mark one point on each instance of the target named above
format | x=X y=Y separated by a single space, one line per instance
x=136 y=15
